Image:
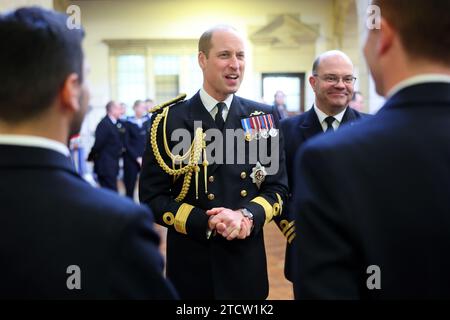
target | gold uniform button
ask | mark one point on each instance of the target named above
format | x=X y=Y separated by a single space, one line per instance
x=211 y=196
x=243 y=175
x=211 y=179
x=243 y=193
x=168 y=218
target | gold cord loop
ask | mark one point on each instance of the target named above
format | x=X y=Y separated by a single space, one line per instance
x=194 y=152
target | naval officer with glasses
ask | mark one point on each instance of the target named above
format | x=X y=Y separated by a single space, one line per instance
x=332 y=81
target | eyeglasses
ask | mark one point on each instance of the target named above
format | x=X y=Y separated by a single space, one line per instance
x=334 y=79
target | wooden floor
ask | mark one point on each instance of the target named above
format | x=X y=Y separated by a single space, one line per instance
x=280 y=288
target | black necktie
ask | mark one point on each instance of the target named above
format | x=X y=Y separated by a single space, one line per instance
x=219 y=117
x=329 y=121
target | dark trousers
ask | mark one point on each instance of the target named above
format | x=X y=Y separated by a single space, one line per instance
x=130 y=173
x=108 y=182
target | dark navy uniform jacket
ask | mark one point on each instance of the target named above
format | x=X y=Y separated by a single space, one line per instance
x=52 y=219
x=214 y=268
x=296 y=131
x=373 y=199
x=136 y=137
x=108 y=147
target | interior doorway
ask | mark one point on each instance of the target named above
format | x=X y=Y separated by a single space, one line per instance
x=292 y=85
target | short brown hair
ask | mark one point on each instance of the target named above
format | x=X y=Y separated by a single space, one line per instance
x=204 y=43
x=422 y=25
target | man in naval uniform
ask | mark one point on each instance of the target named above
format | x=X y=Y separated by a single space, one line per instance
x=215 y=243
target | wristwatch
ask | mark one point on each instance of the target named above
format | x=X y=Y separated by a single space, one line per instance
x=247 y=213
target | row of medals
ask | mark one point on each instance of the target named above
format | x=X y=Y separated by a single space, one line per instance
x=263 y=133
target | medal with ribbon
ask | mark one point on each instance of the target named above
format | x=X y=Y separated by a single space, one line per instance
x=265 y=127
x=247 y=128
x=272 y=131
x=256 y=133
x=259 y=125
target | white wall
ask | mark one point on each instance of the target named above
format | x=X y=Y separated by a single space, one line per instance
x=13 y=4
x=187 y=19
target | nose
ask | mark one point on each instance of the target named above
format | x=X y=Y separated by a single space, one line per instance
x=340 y=83
x=234 y=63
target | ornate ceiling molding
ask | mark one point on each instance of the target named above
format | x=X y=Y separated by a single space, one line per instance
x=286 y=30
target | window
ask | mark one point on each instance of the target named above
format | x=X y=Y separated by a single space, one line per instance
x=153 y=68
x=166 y=71
x=130 y=78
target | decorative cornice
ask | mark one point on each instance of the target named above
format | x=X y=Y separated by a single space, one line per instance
x=286 y=30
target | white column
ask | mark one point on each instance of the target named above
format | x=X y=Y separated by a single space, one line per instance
x=366 y=84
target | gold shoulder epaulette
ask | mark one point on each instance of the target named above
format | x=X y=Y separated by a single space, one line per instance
x=169 y=103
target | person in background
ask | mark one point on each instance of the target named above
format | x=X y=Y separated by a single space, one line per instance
x=109 y=146
x=149 y=104
x=332 y=81
x=280 y=104
x=123 y=111
x=137 y=128
x=357 y=102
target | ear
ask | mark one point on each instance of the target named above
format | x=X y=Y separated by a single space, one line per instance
x=202 y=60
x=386 y=38
x=312 y=82
x=70 y=93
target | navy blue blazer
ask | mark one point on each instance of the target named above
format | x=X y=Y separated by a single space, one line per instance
x=377 y=194
x=296 y=130
x=52 y=219
x=108 y=147
x=136 y=137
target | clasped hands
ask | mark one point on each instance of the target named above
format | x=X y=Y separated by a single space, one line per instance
x=229 y=223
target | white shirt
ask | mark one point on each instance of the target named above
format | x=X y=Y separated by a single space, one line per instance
x=322 y=117
x=34 y=141
x=423 y=78
x=113 y=120
x=210 y=103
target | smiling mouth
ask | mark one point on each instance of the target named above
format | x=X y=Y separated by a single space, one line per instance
x=232 y=77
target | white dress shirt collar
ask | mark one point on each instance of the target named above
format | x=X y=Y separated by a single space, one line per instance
x=34 y=141
x=321 y=115
x=209 y=103
x=423 y=78
x=113 y=120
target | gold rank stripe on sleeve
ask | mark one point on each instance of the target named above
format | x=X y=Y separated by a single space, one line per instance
x=291 y=238
x=181 y=217
x=288 y=229
x=268 y=209
x=280 y=204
